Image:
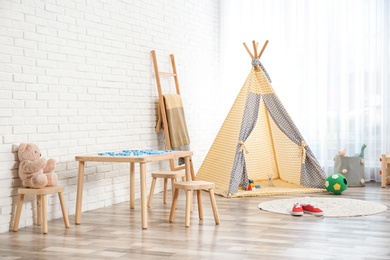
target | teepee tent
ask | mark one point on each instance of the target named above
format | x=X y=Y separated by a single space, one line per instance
x=259 y=145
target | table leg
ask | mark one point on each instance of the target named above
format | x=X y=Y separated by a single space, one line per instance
x=79 y=198
x=132 y=186
x=144 y=212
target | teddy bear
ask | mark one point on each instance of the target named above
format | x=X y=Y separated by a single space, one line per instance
x=35 y=171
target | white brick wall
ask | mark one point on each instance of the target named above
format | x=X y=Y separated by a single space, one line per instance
x=76 y=77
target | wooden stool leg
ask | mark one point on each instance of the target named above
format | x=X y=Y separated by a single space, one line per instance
x=173 y=180
x=200 y=207
x=165 y=190
x=151 y=192
x=192 y=202
x=188 y=207
x=173 y=208
x=44 y=213
x=39 y=209
x=214 y=206
x=18 y=212
x=63 y=208
x=199 y=198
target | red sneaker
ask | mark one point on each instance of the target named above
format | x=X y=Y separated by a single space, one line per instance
x=297 y=209
x=314 y=210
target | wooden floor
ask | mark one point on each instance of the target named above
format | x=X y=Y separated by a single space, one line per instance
x=245 y=232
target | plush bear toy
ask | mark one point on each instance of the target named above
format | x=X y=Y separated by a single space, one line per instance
x=34 y=170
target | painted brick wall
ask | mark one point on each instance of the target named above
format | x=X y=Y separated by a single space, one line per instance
x=76 y=77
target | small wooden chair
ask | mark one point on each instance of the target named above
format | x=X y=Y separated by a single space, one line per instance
x=41 y=196
x=172 y=175
x=189 y=187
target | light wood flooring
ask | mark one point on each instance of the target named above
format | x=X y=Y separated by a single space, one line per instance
x=245 y=232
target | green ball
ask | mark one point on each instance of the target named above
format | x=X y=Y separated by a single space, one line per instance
x=336 y=183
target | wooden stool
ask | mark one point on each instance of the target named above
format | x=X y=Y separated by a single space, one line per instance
x=173 y=175
x=41 y=205
x=189 y=187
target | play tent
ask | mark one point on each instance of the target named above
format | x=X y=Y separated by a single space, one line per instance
x=258 y=145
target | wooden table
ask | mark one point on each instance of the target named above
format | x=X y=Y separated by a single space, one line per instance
x=385 y=169
x=142 y=160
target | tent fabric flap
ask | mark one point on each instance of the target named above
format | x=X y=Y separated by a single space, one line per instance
x=239 y=175
x=312 y=175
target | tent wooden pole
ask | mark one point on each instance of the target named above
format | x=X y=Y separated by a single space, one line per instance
x=262 y=50
x=255 y=49
x=247 y=49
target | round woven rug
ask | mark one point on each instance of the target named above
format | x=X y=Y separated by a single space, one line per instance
x=332 y=207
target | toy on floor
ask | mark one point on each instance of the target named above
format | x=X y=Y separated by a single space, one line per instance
x=341 y=152
x=270 y=181
x=251 y=186
x=361 y=154
x=336 y=183
x=352 y=167
x=35 y=171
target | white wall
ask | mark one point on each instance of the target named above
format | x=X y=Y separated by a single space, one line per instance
x=76 y=77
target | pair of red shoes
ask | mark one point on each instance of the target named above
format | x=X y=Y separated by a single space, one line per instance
x=298 y=210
